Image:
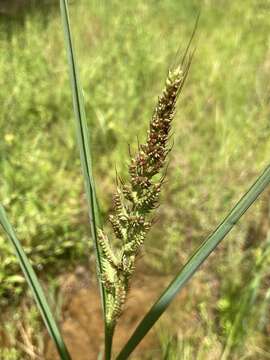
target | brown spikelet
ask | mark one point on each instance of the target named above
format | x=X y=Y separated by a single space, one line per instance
x=117 y=204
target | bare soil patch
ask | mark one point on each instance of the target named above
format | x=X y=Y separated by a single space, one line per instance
x=82 y=324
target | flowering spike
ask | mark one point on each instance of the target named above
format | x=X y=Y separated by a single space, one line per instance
x=134 y=201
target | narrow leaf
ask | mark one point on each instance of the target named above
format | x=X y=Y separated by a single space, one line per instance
x=194 y=263
x=35 y=287
x=83 y=140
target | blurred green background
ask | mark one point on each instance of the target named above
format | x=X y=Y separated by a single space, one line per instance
x=220 y=140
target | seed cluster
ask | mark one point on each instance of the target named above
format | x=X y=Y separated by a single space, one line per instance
x=134 y=200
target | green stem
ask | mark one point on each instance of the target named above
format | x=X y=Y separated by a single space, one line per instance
x=109 y=331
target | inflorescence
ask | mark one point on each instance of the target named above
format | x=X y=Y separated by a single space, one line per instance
x=134 y=200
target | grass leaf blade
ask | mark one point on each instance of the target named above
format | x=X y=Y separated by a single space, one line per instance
x=194 y=263
x=35 y=287
x=83 y=140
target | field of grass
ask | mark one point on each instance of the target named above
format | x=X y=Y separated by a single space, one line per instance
x=220 y=142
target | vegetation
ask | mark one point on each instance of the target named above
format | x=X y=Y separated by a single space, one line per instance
x=220 y=144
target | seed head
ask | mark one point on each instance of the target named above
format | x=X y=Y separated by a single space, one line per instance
x=134 y=200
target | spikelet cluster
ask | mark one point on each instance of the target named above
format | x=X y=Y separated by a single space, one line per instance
x=135 y=199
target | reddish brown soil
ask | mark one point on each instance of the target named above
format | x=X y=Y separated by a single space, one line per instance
x=82 y=325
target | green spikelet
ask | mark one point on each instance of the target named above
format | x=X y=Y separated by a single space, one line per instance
x=118 y=229
x=108 y=276
x=149 y=200
x=108 y=254
x=119 y=300
x=128 y=194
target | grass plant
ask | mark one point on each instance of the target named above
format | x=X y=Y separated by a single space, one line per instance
x=133 y=201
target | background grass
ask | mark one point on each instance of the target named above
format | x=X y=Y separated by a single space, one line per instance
x=220 y=136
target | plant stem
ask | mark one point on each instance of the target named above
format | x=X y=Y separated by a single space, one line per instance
x=109 y=331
